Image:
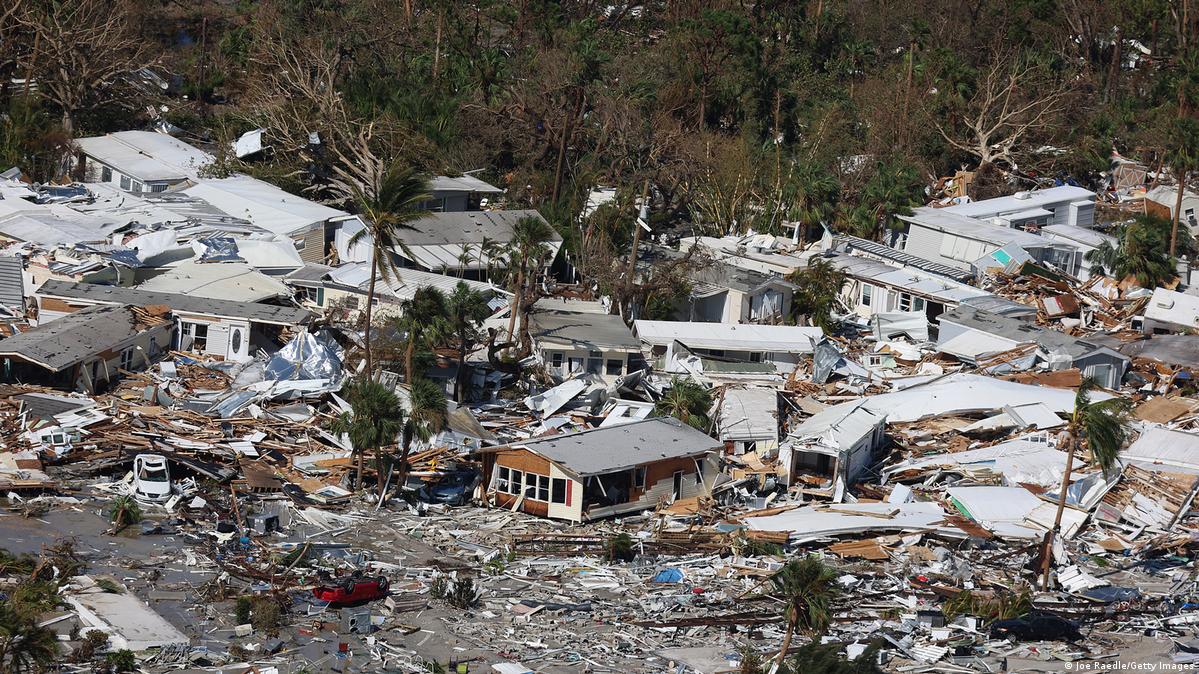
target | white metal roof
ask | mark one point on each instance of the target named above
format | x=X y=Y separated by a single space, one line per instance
x=262 y=204
x=906 y=278
x=405 y=283
x=1164 y=449
x=1076 y=234
x=1025 y=201
x=235 y=281
x=1019 y=460
x=52 y=224
x=840 y=426
x=146 y=155
x=943 y=220
x=730 y=336
x=1170 y=306
x=749 y=414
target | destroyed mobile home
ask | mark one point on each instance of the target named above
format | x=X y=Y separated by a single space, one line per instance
x=192 y=413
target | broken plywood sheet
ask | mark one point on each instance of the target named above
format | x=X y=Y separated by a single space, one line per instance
x=1163 y=409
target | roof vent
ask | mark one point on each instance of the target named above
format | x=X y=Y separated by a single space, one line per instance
x=1021 y=195
x=1165 y=303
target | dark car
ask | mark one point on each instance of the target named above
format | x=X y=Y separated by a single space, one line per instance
x=352 y=591
x=454 y=488
x=1036 y=627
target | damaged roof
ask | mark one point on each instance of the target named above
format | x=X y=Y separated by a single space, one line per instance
x=730 y=336
x=12 y=283
x=596 y=451
x=252 y=311
x=146 y=155
x=75 y=337
x=581 y=329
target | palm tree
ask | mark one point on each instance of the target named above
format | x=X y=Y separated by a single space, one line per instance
x=466 y=308
x=686 y=401
x=819 y=286
x=1104 y=426
x=464 y=258
x=125 y=511
x=1183 y=158
x=807 y=586
x=526 y=253
x=377 y=420
x=811 y=193
x=25 y=646
x=1141 y=252
x=427 y=416
x=489 y=250
x=893 y=189
x=424 y=322
x=389 y=198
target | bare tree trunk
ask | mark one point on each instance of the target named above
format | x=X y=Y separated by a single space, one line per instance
x=1180 y=179
x=567 y=132
x=1047 y=556
x=631 y=270
x=366 y=333
x=516 y=297
x=359 y=469
x=458 y=381
x=778 y=662
x=437 y=47
x=409 y=356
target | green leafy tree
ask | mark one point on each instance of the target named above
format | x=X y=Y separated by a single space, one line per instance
x=467 y=309
x=427 y=416
x=388 y=197
x=125 y=511
x=376 y=421
x=819 y=285
x=807 y=588
x=686 y=401
x=1104 y=427
x=1141 y=251
x=425 y=322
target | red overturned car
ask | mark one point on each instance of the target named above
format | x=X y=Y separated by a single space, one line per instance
x=352 y=591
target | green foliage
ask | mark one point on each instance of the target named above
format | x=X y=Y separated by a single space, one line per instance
x=122 y=661
x=24 y=646
x=807 y=587
x=125 y=511
x=377 y=419
x=620 y=548
x=1141 y=251
x=92 y=644
x=815 y=298
x=892 y=190
x=109 y=585
x=241 y=609
x=686 y=401
x=30 y=139
x=815 y=658
x=1105 y=425
x=16 y=565
x=992 y=607
x=459 y=593
x=266 y=614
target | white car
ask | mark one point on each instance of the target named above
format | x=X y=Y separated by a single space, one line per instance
x=151 y=478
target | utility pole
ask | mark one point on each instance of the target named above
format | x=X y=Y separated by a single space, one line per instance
x=642 y=221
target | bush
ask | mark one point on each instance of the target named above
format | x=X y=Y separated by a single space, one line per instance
x=620 y=548
x=265 y=614
x=91 y=645
x=241 y=610
x=122 y=661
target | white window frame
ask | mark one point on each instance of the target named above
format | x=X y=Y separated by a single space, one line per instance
x=127 y=358
x=867 y=295
x=554 y=491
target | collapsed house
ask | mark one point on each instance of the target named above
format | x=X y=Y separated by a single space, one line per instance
x=602 y=472
x=836 y=445
x=724 y=292
x=221 y=328
x=987 y=340
x=87 y=349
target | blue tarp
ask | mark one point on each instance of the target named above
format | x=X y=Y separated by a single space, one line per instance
x=669 y=575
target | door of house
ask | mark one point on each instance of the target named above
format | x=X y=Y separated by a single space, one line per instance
x=678 y=485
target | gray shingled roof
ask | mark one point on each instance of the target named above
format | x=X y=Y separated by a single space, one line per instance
x=12 y=289
x=252 y=311
x=73 y=338
x=604 y=450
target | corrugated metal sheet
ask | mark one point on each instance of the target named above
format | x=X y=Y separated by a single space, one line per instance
x=749 y=414
x=12 y=284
